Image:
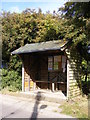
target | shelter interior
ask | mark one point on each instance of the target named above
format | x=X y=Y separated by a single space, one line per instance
x=45 y=70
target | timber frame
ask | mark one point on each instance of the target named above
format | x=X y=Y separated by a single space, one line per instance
x=61 y=74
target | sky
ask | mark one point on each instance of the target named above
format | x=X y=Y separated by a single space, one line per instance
x=20 y=5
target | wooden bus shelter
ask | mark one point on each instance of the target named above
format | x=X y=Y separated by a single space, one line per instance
x=45 y=66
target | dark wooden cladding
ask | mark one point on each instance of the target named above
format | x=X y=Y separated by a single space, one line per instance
x=48 y=85
x=45 y=53
x=36 y=69
x=44 y=68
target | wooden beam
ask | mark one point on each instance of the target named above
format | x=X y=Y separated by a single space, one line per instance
x=23 y=89
x=67 y=78
x=34 y=86
x=53 y=87
x=29 y=83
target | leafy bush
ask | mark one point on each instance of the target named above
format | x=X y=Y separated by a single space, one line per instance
x=15 y=64
x=11 y=79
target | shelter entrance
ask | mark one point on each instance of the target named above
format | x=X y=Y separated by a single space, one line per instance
x=46 y=71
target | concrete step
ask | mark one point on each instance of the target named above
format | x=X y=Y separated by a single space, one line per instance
x=45 y=95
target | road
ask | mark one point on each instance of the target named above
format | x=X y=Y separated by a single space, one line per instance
x=16 y=107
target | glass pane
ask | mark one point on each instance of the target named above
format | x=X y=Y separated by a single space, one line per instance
x=50 y=59
x=56 y=66
x=57 y=62
x=50 y=63
x=57 y=58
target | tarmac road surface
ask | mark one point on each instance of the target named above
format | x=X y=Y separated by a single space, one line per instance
x=16 y=107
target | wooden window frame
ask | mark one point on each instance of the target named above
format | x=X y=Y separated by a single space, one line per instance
x=53 y=63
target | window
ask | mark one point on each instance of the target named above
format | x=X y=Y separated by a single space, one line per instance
x=54 y=62
x=57 y=62
x=50 y=63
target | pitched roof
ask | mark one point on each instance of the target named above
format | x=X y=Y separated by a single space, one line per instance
x=42 y=46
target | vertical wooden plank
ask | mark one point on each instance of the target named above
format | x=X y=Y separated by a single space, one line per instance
x=53 y=87
x=67 y=78
x=28 y=83
x=34 y=86
x=23 y=89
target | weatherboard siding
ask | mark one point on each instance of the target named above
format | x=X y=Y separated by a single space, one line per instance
x=74 y=78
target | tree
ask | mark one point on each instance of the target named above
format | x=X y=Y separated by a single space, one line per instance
x=27 y=27
x=78 y=16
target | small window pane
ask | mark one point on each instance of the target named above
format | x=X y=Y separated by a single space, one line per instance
x=57 y=58
x=50 y=63
x=57 y=62
x=55 y=65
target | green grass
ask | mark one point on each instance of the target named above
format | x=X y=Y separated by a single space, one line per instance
x=77 y=107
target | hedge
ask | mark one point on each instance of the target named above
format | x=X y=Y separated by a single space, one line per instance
x=11 y=79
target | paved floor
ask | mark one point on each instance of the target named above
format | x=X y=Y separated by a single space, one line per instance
x=47 y=95
x=16 y=107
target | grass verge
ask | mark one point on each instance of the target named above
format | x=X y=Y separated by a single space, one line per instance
x=77 y=107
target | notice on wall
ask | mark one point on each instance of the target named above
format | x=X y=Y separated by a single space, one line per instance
x=63 y=59
x=63 y=63
x=31 y=84
x=26 y=83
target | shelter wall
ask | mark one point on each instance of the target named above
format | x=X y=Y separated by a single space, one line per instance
x=74 y=76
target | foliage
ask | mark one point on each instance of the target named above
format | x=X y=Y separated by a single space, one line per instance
x=78 y=16
x=11 y=79
x=15 y=63
x=76 y=9
x=78 y=107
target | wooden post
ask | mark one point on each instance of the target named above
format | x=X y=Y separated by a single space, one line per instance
x=23 y=89
x=34 y=86
x=53 y=87
x=29 y=83
x=67 y=78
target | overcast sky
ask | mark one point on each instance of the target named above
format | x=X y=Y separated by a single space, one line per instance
x=20 y=5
